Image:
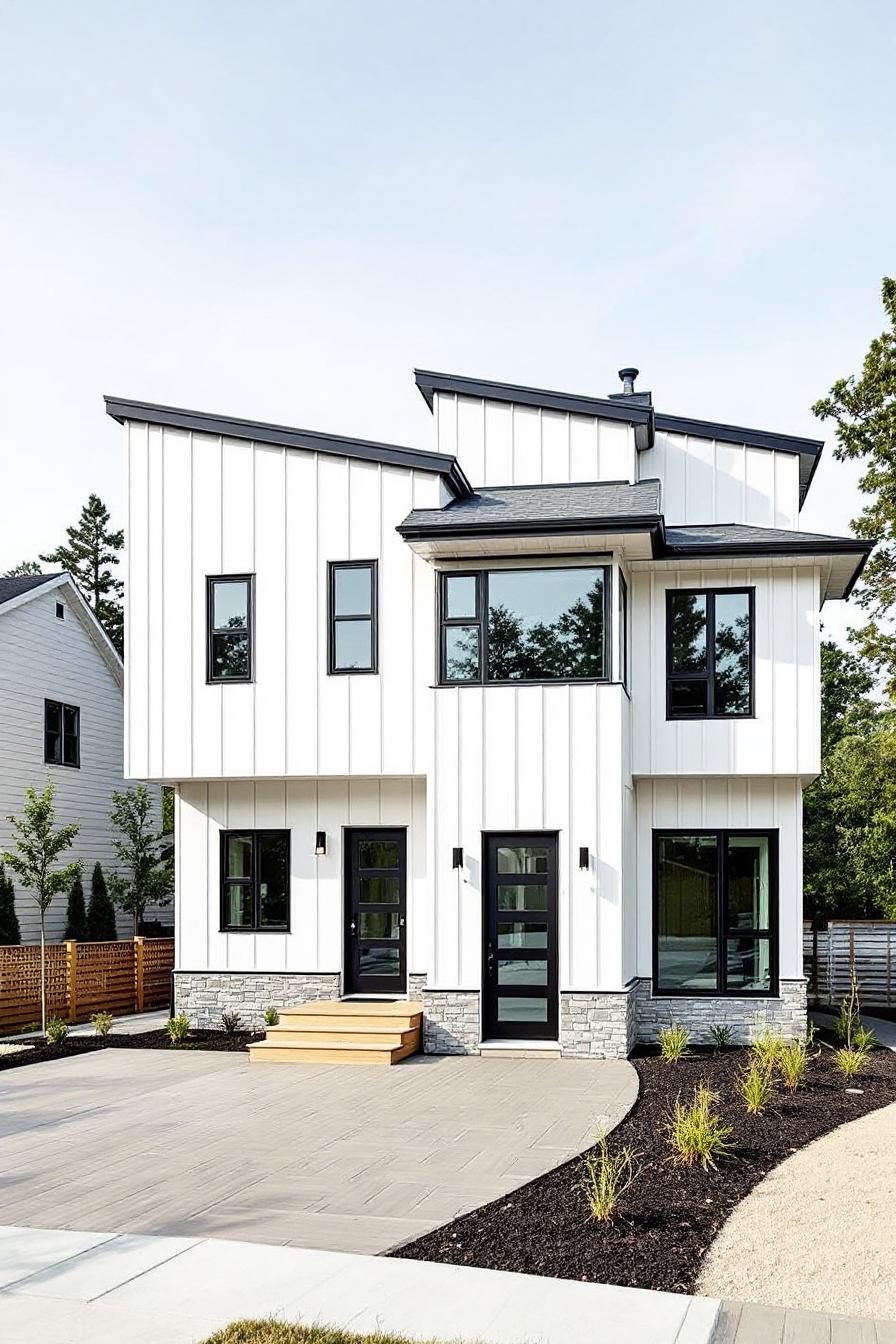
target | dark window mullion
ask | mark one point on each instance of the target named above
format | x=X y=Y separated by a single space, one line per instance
x=711 y=654
x=722 y=913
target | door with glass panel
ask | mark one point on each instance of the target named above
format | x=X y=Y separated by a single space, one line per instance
x=375 y=910
x=520 y=998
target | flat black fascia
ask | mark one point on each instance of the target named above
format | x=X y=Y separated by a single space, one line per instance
x=754 y=438
x=652 y=523
x=756 y=551
x=367 y=450
x=429 y=383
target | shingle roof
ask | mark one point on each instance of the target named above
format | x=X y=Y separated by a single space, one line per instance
x=17 y=584
x=715 y=536
x=594 y=505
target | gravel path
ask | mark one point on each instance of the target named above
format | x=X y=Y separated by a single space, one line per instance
x=819 y=1233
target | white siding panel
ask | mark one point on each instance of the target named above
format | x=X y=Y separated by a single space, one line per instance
x=136 y=625
x=584 y=462
x=554 y=446
x=304 y=616
x=498 y=443
x=269 y=729
x=526 y=446
x=177 y=563
x=206 y=730
x=707 y=481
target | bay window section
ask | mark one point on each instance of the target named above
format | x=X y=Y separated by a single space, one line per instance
x=510 y=625
x=715 y=913
x=709 y=672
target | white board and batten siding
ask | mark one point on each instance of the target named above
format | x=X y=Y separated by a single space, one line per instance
x=203 y=505
x=709 y=481
x=45 y=658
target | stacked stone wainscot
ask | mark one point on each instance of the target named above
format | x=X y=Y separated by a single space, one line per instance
x=785 y=1013
x=205 y=995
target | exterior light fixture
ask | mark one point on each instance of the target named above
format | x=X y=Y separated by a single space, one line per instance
x=584 y=857
x=320 y=843
x=457 y=857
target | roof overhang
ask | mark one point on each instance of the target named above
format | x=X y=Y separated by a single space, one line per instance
x=638 y=539
x=841 y=560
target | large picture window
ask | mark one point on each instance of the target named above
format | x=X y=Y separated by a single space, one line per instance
x=353 y=616
x=255 y=881
x=709 y=642
x=507 y=625
x=229 y=628
x=62 y=734
x=715 y=912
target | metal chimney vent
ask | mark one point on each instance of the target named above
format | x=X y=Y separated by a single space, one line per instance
x=628 y=377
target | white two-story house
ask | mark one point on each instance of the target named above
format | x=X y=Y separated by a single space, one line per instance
x=517 y=725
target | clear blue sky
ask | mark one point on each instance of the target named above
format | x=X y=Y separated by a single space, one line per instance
x=278 y=209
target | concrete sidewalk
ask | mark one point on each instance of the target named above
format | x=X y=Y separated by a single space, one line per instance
x=132 y=1024
x=98 y=1288
x=884 y=1031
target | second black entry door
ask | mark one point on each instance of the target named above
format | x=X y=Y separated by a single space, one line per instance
x=375 y=911
x=520 y=983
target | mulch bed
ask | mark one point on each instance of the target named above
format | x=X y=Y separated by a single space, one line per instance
x=671 y=1214
x=40 y=1052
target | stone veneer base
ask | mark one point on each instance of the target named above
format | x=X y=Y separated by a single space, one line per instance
x=597 y=1026
x=785 y=1013
x=450 y=1018
x=205 y=995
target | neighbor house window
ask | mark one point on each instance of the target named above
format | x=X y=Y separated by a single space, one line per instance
x=352 y=604
x=709 y=653
x=229 y=636
x=506 y=625
x=60 y=612
x=715 y=912
x=62 y=733
x=255 y=881
x=623 y=629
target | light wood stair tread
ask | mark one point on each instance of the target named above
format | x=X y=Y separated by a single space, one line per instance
x=355 y=1008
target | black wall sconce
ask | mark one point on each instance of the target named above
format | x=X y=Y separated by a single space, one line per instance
x=320 y=843
x=584 y=857
x=457 y=857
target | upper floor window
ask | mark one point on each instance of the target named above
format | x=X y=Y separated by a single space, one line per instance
x=623 y=629
x=506 y=625
x=255 y=881
x=709 y=653
x=62 y=734
x=352 y=603
x=60 y=612
x=229 y=631
x=715 y=920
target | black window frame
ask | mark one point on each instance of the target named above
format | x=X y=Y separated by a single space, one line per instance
x=444 y=622
x=709 y=676
x=622 y=613
x=252 y=881
x=210 y=630
x=723 y=931
x=60 y=611
x=333 y=566
x=60 y=759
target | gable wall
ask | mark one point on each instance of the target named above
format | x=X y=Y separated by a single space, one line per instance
x=708 y=481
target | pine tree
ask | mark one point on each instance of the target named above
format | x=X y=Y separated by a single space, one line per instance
x=23 y=568
x=101 y=912
x=76 y=913
x=88 y=556
x=10 y=934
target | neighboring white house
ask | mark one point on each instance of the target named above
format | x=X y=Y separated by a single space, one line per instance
x=60 y=716
x=519 y=725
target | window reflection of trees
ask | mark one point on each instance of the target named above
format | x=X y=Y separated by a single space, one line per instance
x=571 y=646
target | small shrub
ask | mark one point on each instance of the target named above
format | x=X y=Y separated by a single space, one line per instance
x=864 y=1039
x=178 y=1029
x=850 y=1061
x=755 y=1087
x=231 y=1022
x=766 y=1047
x=721 y=1036
x=673 y=1042
x=793 y=1060
x=697 y=1132
x=102 y=1023
x=607 y=1177
x=57 y=1030
x=271 y=1017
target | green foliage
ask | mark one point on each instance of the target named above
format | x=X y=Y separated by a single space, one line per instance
x=271 y=1017
x=231 y=1022
x=850 y=1061
x=607 y=1177
x=102 y=1023
x=793 y=1062
x=10 y=934
x=76 y=912
x=56 y=1031
x=25 y=568
x=148 y=866
x=765 y=1048
x=281 y=1332
x=849 y=1019
x=755 y=1087
x=89 y=555
x=864 y=1039
x=178 y=1029
x=697 y=1133
x=673 y=1042
x=721 y=1036
x=100 y=912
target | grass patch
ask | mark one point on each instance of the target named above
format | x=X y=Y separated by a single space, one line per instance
x=280 y=1332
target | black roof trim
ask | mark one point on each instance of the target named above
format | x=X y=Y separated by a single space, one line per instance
x=742 y=547
x=754 y=438
x=652 y=523
x=420 y=459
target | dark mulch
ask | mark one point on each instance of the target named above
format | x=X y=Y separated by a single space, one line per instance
x=671 y=1214
x=147 y=1040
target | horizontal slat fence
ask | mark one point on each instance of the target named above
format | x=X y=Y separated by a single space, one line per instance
x=830 y=955
x=128 y=976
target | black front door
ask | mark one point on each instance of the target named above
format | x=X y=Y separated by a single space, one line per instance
x=520 y=1000
x=375 y=909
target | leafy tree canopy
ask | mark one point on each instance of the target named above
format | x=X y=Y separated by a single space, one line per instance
x=147 y=874
x=25 y=567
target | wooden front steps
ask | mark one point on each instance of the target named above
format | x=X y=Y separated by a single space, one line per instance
x=342 y=1031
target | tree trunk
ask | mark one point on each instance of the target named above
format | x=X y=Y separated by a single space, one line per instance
x=43 y=975
x=136 y=921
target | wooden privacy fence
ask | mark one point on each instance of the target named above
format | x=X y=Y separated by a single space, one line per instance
x=830 y=954
x=128 y=976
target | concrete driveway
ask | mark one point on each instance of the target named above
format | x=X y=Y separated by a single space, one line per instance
x=331 y=1157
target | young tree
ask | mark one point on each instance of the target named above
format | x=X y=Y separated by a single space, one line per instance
x=10 y=934
x=23 y=568
x=76 y=914
x=38 y=846
x=864 y=412
x=144 y=852
x=88 y=555
x=100 y=912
